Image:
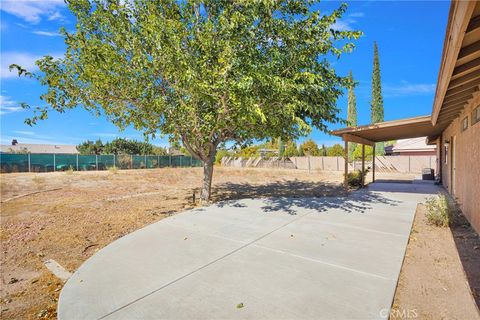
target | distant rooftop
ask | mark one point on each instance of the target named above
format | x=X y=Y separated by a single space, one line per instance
x=38 y=148
x=414 y=144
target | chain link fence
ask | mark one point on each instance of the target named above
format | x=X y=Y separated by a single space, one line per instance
x=32 y=162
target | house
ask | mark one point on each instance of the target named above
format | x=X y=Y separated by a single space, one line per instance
x=454 y=124
x=411 y=147
x=16 y=147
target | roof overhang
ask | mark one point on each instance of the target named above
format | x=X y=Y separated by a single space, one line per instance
x=390 y=130
x=459 y=76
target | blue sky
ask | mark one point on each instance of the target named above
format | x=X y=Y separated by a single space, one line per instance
x=409 y=34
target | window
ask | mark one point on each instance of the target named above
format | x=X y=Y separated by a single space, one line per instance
x=465 y=123
x=476 y=115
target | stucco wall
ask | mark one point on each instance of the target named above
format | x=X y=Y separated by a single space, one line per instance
x=467 y=177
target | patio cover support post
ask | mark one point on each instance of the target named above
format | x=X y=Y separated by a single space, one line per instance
x=346 y=165
x=373 y=164
x=363 y=165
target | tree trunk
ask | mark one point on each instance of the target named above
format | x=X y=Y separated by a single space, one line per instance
x=207 y=181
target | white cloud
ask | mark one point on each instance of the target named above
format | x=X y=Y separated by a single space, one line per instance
x=346 y=23
x=409 y=89
x=342 y=25
x=33 y=11
x=8 y=106
x=23 y=59
x=8 y=140
x=46 y=33
x=357 y=15
x=25 y=133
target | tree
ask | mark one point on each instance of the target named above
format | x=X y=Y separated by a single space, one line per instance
x=291 y=149
x=310 y=148
x=377 y=113
x=357 y=153
x=281 y=148
x=323 y=151
x=352 y=111
x=336 y=151
x=90 y=147
x=248 y=152
x=159 y=151
x=220 y=154
x=125 y=146
x=201 y=72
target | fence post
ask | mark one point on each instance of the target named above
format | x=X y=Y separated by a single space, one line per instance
x=96 y=162
x=146 y=167
x=338 y=169
x=158 y=161
x=308 y=163
x=29 y=163
x=77 y=161
x=114 y=161
x=409 y=169
x=170 y=160
x=131 y=161
x=323 y=164
x=54 y=162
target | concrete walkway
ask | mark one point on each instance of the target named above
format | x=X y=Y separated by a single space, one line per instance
x=317 y=258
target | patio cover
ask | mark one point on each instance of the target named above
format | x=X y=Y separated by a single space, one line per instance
x=390 y=130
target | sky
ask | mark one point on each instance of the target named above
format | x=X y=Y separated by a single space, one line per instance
x=409 y=35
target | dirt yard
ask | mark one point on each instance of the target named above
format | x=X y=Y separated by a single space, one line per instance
x=440 y=276
x=79 y=213
x=73 y=215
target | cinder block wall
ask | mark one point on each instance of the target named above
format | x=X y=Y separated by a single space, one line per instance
x=467 y=177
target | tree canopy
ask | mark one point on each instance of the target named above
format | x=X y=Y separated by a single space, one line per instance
x=309 y=148
x=357 y=153
x=202 y=72
x=119 y=146
x=91 y=147
x=336 y=151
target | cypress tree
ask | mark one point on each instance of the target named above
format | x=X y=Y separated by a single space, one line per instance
x=377 y=99
x=351 y=111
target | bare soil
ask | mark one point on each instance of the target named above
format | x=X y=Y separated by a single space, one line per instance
x=76 y=214
x=440 y=277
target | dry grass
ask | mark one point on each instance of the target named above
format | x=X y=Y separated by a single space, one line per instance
x=93 y=209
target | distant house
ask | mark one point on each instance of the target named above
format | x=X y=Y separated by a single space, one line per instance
x=175 y=152
x=16 y=147
x=411 y=147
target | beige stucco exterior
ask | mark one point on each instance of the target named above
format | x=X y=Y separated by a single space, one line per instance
x=467 y=163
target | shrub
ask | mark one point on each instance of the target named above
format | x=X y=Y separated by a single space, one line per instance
x=355 y=178
x=113 y=170
x=440 y=211
x=69 y=170
x=220 y=154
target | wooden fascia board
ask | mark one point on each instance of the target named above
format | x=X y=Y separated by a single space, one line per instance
x=459 y=18
x=353 y=138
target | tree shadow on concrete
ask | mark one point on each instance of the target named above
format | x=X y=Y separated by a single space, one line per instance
x=289 y=196
x=467 y=242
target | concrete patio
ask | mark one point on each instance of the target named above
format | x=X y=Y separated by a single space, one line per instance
x=315 y=258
